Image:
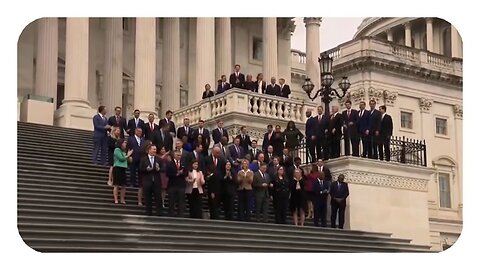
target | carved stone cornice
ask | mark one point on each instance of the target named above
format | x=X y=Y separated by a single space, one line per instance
x=357 y=95
x=255 y=133
x=312 y=20
x=383 y=180
x=425 y=104
x=375 y=94
x=458 y=111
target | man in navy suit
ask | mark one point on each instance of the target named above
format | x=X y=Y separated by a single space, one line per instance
x=266 y=138
x=176 y=172
x=320 y=193
x=254 y=151
x=100 y=129
x=201 y=130
x=237 y=79
x=335 y=132
x=118 y=121
x=350 y=130
x=284 y=88
x=338 y=193
x=374 y=129
x=245 y=141
x=273 y=88
x=135 y=143
x=150 y=127
x=310 y=137
x=168 y=120
x=321 y=132
x=362 y=127
x=386 y=130
x=162 y=138
x=219 y=132
x=186 y=130
x=223 y=85
x=150 y=168
x=134 y=123
x=236 y=154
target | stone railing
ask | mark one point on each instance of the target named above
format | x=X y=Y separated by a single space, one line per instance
x=438 y=60
x=404 y=52
x=298 y=56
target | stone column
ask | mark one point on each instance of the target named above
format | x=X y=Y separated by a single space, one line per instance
x=270 y=61
x=223 y=42
x=75 y=110
x=389 y=35
x=144 y=97
x=408 y=35
x=313 y=49
x=113 y=86
x=429 y=34
x=170 y=98
x=456 y=46
x=47 y=58
x=205 y=57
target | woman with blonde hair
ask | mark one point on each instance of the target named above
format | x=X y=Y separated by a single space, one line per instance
x=194 y=190
x=112 y=143
x=245 y=180
x=298 y=201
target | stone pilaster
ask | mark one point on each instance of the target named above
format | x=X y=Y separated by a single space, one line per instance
x=113 y=86
x=456 y=44
x=205 y=57
x=389 y=35
x=429 y=22
x=313 y=49
x=47 y=58
x=270 y=60
x=170 y=98
x=223 y=38
x=408 y=34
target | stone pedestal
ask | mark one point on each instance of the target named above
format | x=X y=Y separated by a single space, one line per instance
x=36 y=109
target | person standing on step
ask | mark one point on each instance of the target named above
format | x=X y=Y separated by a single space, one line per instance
x=120 y=161
x=171 y=125
x=350 y=130
x=228 y=190
x=119 y=121
x=309 y=184
x=137 y=144
x=281 y=192
x=266 y=139
x=298 y=201
x=150 y=168
x=386 y=130
x=245 y=180
x=321 y=188
x=165 y=159
x=176 y=172
x=215 y=172
x=219 y=132
x=339 y=194
x=237 y=79
x=194 y=190
x=149 y=128
x=100 y=131
x=261 y=180
x=134 y=123
x=112 y=144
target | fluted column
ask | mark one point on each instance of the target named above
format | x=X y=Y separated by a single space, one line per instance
x=313 y=49
x=270 y=60
x=112 y=90
x=205 y=56
x=456 y=46
x=144 y=96
x=408 y=35
x=429 y=34
x=223 y=38
x=47 y=55
x=389 y=35
x=171 y=65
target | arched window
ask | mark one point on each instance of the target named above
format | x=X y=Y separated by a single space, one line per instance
x=447 y=42
x=445 y=179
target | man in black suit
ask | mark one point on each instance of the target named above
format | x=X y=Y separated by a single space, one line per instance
x=137 y=144
x=273 y=88
x=286 y=160
x=162 y=138
x=386 y=130
x=269 y=155
x=350 y=130
x=321 y=130
x=219 y=132
x=266 y=138
x=118 y=121
x=168 y=120
x=284 y=88
x=335 y=132
x=260 y=84
x=320 y=195
x=150 y=168
x=245 y=141
x=150 y=127
x=324 y=169
x=215 y=173
x=186 y=130
x=362 y=127
x=205 y=136
x=223 y=85
x=373 y=129
x=237 y=79
x=338 y=193
x=254 y=151
x=236 y=154
x=176 y=172
x=134 y=123
x=310 y=137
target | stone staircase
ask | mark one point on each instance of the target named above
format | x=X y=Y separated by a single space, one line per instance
x=64 y=205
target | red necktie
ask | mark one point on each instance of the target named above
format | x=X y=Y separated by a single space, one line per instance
x=215 y=161
x=178 y=165
x=151 y=126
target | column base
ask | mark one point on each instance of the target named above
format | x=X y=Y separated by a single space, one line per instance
x=36 y=111
x=75 y=115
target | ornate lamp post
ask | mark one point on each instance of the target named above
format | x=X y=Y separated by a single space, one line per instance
x=326 y=76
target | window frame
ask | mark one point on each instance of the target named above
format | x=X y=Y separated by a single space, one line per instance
x=441 y=135
x=448 y=181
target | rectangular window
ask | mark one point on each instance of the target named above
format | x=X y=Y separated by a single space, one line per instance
x=441 y=126
x=406 y=120
x=444 y=188
x=257 y=49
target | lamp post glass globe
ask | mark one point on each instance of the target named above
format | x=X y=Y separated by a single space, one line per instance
x=308 y=86
x=326 y=63
x=344 y=84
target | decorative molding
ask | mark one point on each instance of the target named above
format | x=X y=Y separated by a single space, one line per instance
x=390 y=97
x=375 y=94
x=425 y=104
x=285 y=27
x=357 y=95
x=312 y=20
x=458 y=111
x=383 y=180
x=255 y=133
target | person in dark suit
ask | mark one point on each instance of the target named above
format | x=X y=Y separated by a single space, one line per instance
x=321 y=132
x=236 y=154
x=134 y=123
x=254 y=151
x=310 y=137
x=228 y=190
x=237 y=79
x=186 y=130
x=284 y=88
x=207 y=93
x=321 y=188
x=350 y=130
x=250 y=84
x=162 y=138
x=269 y=154
x=260 y=84
x=119 y=121
x=198 y=156
x=150 y=127
x=374 y=129
x=201 y=130
x=219 y=132
x=266 y=138
x=386 y=130
x=286 y=160
x=245 y=141
x=292 y=137
x=150 y=169
x=224 y=84
x=335 y=132
x=176 y=172
x=273 y=88
x=277 y=141
x=362 y=127
x=215 y=176
x=100 y=137
x=137 y=144
x=327 y=175
x=298 y=198
x=261 y=180
x=338 y=193
x=280 y=190
x=168 y=121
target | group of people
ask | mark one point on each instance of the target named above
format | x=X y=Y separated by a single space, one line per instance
x=372 y=127
x=239 y=80
x=163 y=159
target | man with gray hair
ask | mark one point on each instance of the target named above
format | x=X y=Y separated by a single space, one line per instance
x=335 y=132
x=215 y=164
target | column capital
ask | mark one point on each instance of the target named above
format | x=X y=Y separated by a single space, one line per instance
x=429 y=19
x=312 y=20
x=407 y=25
x=425 y=105
x=458 y=111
